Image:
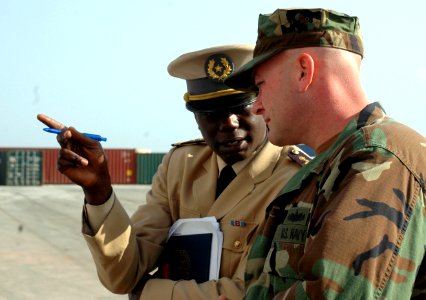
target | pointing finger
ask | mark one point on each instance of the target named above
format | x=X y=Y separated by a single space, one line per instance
x=52 y=123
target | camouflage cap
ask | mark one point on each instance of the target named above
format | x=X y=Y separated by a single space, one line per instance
x=298 y=28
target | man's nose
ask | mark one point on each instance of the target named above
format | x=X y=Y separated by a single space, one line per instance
x=257 y=107
x=231 y=121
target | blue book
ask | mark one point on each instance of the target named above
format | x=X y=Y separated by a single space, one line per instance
x=187 y=257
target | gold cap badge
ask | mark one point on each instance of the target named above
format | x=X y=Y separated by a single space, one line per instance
x=218 y=67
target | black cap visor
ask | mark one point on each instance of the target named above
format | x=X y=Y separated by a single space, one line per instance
x=221 y=103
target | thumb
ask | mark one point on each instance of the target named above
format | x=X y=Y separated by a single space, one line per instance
x=81 y=139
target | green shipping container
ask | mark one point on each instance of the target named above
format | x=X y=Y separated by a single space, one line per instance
x=146 y=166
x=20 y=167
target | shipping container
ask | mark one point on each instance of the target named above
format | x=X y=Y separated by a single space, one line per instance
x=146 y=166
x=121 y=164
x=51 y=175
x=20 y=167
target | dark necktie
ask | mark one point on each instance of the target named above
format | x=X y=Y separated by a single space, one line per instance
x=225 y=177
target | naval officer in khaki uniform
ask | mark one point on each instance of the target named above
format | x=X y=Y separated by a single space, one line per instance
x=126 y=250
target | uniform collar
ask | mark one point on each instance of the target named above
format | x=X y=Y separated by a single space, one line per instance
x=368 y=115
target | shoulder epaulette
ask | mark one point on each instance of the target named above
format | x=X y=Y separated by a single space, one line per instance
x=190 y=142
x=298 y=156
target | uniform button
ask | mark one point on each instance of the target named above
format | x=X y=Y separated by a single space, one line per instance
x=237 y=244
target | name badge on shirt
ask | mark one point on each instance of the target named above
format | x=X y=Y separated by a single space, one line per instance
x=294 y=228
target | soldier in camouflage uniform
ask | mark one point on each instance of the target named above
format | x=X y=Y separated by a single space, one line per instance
x=351 y=223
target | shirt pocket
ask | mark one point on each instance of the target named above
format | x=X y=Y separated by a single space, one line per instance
x=236 y=241
x=283 y=259
x=288 y=245
x=237 y=235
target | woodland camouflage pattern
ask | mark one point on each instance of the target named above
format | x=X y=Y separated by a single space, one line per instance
x=351 y=223
x=298 y=28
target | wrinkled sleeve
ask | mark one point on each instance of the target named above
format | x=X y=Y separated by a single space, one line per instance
x=96 y=214
x=126 y=249
x=189 y=289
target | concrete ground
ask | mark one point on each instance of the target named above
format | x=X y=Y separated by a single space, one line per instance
x=42 y=252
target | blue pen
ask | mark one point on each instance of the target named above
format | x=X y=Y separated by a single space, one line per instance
x=89 y=135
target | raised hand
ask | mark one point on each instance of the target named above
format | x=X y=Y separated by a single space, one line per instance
x=83 y=161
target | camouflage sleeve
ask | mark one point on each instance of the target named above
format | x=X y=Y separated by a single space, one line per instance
x=367 y=232
x=365 y=241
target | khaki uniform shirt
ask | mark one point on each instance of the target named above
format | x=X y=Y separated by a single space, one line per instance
x=125 y=249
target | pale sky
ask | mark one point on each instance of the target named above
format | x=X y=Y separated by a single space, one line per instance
x=101 y=65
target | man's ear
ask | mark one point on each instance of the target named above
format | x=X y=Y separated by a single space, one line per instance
x=306 y=71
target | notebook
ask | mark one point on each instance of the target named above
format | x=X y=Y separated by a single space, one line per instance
x=193 y=250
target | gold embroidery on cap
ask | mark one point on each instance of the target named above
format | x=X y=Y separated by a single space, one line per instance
x=218 y=67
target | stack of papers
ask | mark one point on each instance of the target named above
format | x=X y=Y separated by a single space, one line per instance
x=194 y=249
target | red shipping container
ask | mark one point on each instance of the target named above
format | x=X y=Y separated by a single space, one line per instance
x=121 y=164
x=51 y=175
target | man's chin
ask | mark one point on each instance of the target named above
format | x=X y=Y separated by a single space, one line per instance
x=233 y=155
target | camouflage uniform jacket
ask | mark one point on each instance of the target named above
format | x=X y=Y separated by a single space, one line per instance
x=351 y=223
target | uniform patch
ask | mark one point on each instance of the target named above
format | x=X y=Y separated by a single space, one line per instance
x=293 y=234
x=294 y=228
